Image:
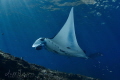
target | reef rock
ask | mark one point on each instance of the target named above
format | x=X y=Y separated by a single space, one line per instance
x=14 y=68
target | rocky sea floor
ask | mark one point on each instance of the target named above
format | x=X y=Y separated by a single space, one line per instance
x=14 y=68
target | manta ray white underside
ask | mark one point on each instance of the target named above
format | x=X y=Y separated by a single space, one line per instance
x=64 y=42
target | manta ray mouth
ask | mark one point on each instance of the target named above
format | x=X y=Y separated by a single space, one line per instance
x=38 y=47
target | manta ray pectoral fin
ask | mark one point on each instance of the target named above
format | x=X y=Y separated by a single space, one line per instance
x=66 y=36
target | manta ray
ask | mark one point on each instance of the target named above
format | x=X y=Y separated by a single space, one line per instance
x=64 y=43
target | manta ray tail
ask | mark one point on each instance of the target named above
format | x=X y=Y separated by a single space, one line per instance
x=95 y=55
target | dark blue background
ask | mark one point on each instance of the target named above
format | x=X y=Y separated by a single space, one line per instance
x=97 y=30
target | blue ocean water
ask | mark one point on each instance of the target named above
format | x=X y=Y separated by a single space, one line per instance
x=97 y=30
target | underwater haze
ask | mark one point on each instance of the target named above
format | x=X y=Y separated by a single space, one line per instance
x=97 y=26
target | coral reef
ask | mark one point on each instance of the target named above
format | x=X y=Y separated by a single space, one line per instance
x=14 y=68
